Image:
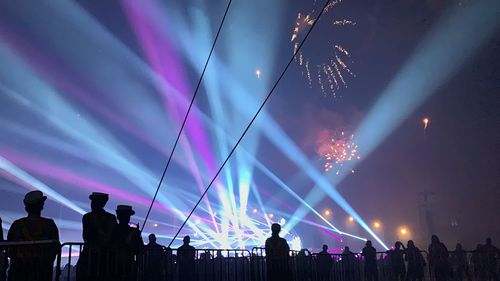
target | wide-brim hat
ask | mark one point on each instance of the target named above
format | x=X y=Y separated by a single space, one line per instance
x=34 y=197
x=125 y=209
x=99 y=195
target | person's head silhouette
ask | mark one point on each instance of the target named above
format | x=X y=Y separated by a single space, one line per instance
x=98 y=200
x=397 y=245
x=488 y=241
x=186 y=240
x=152 y=238
x=325 y=247
x=458 y=247
x=123 y=214
x=368 y=243
x=34 y=202
x=346 y=249
x=410 y=244
x=275 y=229
x=435 y=239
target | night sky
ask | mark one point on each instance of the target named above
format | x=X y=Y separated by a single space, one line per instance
x=93 y=86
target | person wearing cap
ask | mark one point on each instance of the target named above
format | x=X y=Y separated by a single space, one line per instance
x=277 y=256
x=98 y=228
x=128 y=244
x=33 y=263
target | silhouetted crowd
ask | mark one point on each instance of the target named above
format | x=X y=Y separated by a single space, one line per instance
x=113 y=249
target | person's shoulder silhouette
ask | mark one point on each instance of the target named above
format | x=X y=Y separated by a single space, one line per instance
x=276 y=246
x=33 y=227
x=98 y=225
x=125 y=235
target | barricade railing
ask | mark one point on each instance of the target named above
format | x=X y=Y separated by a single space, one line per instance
x=30 y=260
x=96 y=263
x=152 y=264
x=35 y=261
x=473 y=265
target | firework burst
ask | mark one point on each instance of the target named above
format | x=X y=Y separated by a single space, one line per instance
x=336 y=150
x=330 y=73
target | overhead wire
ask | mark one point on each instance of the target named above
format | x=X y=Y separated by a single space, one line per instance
x=186 y=116
x=251 y=121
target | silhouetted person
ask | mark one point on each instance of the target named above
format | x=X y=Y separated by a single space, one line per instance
x=349 y=264
x=185 y=258
x=154 y=259
x=490 y=254
x=478 y=264
x=3 y=256
x=438 y=259
x=370 y=255
x=277 y=256
x=324 y=264
x=459 y=263
x=128 y=244
x=416 y=262
x=397 y=262
x=303 y=265
x=98 y=228
x=33 y=263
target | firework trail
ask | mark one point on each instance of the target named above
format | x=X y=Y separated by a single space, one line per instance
x=331 y=72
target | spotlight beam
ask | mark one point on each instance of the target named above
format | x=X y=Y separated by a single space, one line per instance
x=464 y=28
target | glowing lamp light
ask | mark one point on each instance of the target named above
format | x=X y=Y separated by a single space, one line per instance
x=255 y=211
x=403 y=230
x=271 y=216
x=155 y=225
x=327 y=213
x=351 y=219
x=377 y=224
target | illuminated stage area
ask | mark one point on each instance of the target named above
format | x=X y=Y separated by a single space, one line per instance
x=94 y=93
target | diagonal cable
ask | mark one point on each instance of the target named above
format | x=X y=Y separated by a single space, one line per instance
x=251 y=121
x=186 y=116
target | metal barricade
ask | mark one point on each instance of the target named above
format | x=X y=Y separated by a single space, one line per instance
x=336 y=267
x=199 y=265
x=28 y=261
x=96 y=263
x=294 y=267
x=152 y=264
x=473 y=265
